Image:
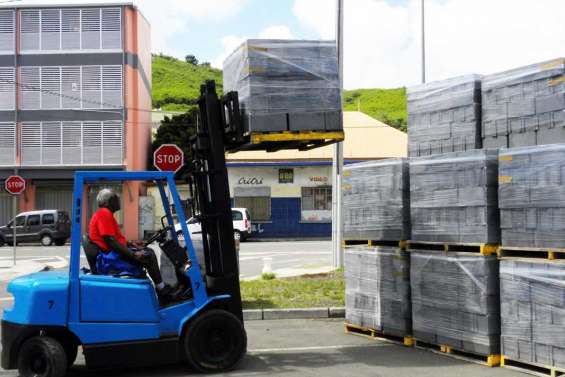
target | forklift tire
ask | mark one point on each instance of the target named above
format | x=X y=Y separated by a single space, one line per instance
x=214 y=341
x=42 y=356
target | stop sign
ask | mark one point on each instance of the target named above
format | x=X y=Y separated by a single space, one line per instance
x=15 y=184
x=168 y=157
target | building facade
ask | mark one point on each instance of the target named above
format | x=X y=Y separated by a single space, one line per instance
x=75 y=94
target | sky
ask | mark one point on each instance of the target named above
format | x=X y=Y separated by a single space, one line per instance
x=382 y=37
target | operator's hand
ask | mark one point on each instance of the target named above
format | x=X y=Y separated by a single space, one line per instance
x=138 y=244
x=139 y=254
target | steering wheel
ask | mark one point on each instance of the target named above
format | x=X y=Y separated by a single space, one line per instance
x=159 y=236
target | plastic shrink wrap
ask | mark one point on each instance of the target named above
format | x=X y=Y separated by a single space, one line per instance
x=455 y=300
x=377 y=289
x=376 y=200
x=286 y=85
x=524 y=106
x=532 y=196
x=453 y=198
x=444 y=116
x=532 y=294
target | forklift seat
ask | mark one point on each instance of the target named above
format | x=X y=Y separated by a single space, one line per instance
x=91 y=251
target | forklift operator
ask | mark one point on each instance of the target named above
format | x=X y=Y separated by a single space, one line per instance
x=105 y=232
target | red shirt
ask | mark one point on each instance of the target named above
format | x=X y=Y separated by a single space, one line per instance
x=103 y=224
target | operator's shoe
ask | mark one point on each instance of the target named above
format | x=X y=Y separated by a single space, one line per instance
x=166 y=295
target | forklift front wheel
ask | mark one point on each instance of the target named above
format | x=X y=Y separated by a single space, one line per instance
x=42 y=356
x=215 y=341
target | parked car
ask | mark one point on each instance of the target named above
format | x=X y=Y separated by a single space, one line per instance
x=47 y=227
x=241 y=224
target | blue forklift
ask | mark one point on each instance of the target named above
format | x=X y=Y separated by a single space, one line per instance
x=117 y=320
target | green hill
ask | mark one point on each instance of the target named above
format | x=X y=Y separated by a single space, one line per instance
x=386 y=105
x=176 y=86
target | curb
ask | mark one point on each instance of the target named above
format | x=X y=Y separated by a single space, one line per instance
x=293 y=313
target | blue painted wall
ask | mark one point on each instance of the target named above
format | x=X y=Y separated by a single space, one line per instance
x=285 y=222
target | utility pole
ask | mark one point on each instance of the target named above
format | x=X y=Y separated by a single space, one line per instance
x=423 y=42
x=337 y=163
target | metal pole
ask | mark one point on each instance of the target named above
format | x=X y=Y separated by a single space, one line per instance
x=337 y=163
x=15 y=212
x=423 y=43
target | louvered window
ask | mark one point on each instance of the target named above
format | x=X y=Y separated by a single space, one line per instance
x=71 y=143
x=50 y=29
x=7 y=144
x=112 y=86
x=7 y=88
x=92 y=87
x=7 y=34
x=31 y=143
x=30 y=30
x=31 y=88
x=71 y=87
x=70 y=29
x=50 y=88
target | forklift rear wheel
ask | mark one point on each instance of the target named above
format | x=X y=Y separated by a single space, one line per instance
x=42 y=356
x=215 y=341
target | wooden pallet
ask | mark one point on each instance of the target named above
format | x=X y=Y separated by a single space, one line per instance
x=366 y=332
x=371 y=243
x=478 y=248
x=442 y=349
x=532 y=368
x=532 y=252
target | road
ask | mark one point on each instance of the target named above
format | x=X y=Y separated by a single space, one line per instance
x=297 y=348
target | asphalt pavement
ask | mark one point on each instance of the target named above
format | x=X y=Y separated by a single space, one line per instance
x=301 y=348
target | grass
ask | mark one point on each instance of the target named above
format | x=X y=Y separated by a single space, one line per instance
x=176 y=84
x=386 y=105
x=320 y=290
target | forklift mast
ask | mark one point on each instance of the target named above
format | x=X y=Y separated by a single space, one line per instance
x=219 y=120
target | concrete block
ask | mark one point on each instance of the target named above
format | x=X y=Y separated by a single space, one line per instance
x=253 y=314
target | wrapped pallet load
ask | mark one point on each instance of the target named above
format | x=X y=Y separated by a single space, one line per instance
x=286 y=85
x=444 y=116
x=532 y=196
x=377 y=290
x=524 y=106
x=453 y=198
x=376 y=200
x=533 y=312
x=455 y=300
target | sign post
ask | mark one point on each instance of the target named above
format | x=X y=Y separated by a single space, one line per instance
x=168 y=157
x=14 y=185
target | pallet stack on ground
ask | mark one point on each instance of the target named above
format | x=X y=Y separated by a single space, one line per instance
x=377 y=289
x=453 y=198
x=376 y=200
x=533 y=314
x=455 y=302
x=532 y=196
x=444 y=116
x=286 y=85
x=524 y=106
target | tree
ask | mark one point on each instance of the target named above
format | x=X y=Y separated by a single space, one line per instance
x=191 y=59
x=177 y=130
x=205 y=64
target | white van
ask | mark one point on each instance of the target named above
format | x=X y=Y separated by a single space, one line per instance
x=241 y=224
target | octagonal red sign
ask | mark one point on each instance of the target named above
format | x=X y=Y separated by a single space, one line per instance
x=168 y=157
x=15 y=184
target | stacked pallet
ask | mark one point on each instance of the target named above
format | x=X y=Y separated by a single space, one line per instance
x=376 y=200
x=533 y=314
x=444 y=116
x=532 y=196
x=455 y=300
x=453 y=198
x=377 y=290
x=286 y=85
x=524 y=106
x=377 y=285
